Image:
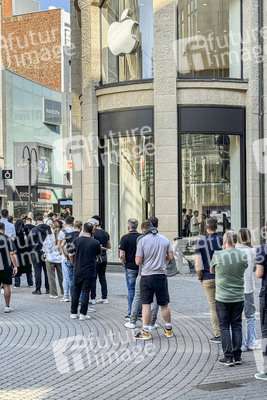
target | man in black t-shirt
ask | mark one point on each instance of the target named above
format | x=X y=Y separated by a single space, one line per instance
x=261 y=272
x=84 y=257
x=37 y=237
x=8 y=260
x=104 y=240
x=127 y=255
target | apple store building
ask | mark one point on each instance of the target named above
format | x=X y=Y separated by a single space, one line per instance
x=168 y=100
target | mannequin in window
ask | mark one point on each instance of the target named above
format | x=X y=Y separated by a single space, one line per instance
x=223 y=142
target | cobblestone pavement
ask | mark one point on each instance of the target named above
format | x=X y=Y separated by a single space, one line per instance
x=46 y=355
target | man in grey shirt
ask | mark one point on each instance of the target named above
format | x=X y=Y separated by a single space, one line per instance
x=153 y=250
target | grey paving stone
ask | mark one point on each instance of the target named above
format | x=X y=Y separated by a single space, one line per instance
x=54 y=357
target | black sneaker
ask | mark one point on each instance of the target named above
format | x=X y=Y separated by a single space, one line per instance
x=37 y=292
x=127 y=317
x=216 y=340
x=47 y=291
x=228 y=361
x=238 y=361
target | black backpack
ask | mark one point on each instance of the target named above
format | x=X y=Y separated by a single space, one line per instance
x=69 y=238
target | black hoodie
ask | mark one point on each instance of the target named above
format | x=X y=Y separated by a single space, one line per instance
x=37 y=236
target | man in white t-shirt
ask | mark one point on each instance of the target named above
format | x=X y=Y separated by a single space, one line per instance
x=66 y=264
x=219 y=217
x=153 y=250
x=194 y=224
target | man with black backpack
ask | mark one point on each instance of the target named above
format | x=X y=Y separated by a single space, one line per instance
x=37 y=237
x=67 y=246
x=104 y=239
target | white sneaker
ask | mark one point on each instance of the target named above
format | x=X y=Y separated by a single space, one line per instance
x=2 y=291
x=102 y=301
x=256 y=346
x=65 y=299
x=151 y=327
x=53 y=297
x=8 y=309
x=91 y=309
x=73 y=316
x=93 y=301
x=84 y=317
x=129 y=325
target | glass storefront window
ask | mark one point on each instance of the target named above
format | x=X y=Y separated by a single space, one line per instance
x=209 y=34
x=130 y=66
x=129 y=184
x=211 y=181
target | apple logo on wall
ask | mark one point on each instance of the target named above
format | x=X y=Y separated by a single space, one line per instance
x=121 y=35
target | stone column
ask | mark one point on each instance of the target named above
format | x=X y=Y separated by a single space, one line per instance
x=250 y=64
x=165 y=117
x=76 y=110
x=86 y=74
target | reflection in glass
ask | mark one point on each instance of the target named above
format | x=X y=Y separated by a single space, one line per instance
x=129 y=184
x=131 y=66
x=209 y=38
x=211 y=181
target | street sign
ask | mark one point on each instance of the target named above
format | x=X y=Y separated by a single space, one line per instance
x=7 y=174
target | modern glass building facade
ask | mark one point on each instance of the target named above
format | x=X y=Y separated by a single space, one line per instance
x=190 y=70
x=27 y=111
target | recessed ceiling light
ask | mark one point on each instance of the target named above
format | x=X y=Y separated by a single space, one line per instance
x=225 y=31
x=205 y=4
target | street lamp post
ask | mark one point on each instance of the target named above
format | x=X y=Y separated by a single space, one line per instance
x=31 y=153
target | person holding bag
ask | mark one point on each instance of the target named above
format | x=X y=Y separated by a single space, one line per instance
x=53 y=261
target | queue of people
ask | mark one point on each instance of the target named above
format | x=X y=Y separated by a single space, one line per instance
x=72 y=255
x=225 y=266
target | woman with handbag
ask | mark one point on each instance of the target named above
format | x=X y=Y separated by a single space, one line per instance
x=53 y=261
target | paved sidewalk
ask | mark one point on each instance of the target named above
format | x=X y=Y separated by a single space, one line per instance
x=46 y=355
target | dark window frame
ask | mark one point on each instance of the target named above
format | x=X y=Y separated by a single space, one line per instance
x=241 y=134
x=101 y=169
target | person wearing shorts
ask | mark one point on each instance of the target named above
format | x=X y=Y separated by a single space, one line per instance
x=153 y=250
x=7 y=258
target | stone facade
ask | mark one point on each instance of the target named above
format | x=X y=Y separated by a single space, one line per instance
x=165 y=93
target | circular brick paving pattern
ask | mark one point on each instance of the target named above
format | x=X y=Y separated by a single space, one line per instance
x=47 y=355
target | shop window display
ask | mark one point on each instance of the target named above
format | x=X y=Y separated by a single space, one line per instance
x=211 y=184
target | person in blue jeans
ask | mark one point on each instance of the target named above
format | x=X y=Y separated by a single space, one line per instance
x=127 y=256
x=249 y=341
x=137 y=303
x=67 y=245
x=66 y=264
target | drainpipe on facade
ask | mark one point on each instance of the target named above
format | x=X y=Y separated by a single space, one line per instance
x=261 y=118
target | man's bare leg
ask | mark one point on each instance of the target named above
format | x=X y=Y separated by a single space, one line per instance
x=146 y=314
x=166 y=314
x=7 y=294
